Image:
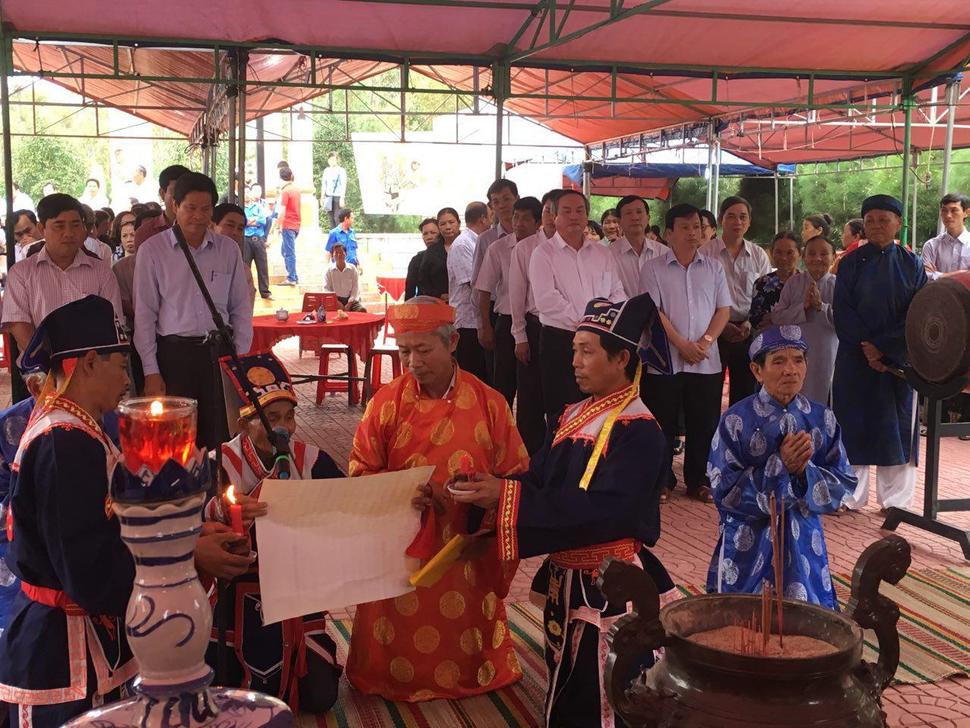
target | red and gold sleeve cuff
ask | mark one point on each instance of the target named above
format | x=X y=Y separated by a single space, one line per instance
x=506 y=518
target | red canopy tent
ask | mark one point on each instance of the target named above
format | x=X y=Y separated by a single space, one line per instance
x=593 y=70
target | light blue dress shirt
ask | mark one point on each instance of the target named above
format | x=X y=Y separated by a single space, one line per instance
x=688 y=297
x=168 y=300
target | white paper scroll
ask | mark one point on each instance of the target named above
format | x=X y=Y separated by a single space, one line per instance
x=330 y=544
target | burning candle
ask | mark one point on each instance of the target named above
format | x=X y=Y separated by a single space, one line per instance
x=156 y=430
x=235 y=511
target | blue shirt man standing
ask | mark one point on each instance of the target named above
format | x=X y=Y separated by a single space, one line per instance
x=344 y=235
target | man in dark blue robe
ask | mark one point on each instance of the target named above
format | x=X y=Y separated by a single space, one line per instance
x=876 y=408
x=64 y=650
x=592 y=490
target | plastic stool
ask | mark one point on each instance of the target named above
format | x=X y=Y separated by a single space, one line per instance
x=372 y=373
x=339 y=382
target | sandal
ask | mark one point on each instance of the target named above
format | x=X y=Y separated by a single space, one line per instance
x=703 y=494
x=664 y=496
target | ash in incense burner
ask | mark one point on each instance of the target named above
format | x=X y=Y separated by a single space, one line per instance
x=717 y=671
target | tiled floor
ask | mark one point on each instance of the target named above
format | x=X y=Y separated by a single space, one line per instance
x=689 y=534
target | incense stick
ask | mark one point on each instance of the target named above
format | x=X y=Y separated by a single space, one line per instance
x=765 y=615
x=780 y=586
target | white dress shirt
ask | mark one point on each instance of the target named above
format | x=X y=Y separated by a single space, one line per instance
x=630 y=264
x=521 y=300
x=741 y=272
x=342 y=282
x=947 y=253
x=493 y=278
x=461 y=258
x=564 y=280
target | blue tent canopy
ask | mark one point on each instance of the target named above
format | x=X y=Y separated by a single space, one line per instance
x=663 y=170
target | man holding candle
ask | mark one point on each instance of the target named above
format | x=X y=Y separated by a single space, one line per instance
x=65 y=649
x=777 y=447
x=450 y=639
x=592 y=491
x=294 y=660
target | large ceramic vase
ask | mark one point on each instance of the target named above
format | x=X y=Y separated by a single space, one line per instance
x=698 y=686
x=169 y=622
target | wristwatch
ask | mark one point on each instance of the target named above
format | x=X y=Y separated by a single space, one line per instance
x=708 y=338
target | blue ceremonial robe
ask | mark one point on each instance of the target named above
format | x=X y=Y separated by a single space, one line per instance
x=872 y=294
x=545 y=511
x=66 y=540
x=745 y=469
x=13 y=422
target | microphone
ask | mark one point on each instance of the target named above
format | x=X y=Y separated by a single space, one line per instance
x=281 y=444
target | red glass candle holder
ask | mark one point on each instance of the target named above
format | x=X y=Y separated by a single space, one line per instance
x=155 y=430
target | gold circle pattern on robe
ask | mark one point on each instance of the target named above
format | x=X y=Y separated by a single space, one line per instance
x=383 y=630
x=489 y=604
x=452 y=604
x=442 y=432
x=426 y=639
x=498 y=636
x=407 y=604
x=486 y=673
x=471 y=641
x=447 y=673
x=402 y=670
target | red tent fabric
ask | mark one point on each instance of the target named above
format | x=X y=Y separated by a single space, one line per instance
x=674 y=61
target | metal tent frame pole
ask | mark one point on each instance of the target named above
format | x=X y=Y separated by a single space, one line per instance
x=18 y=390
x=716 y=196
x=908 y=104
x=710 y=165
x=791 y=202
x=952 y=94
x=241 y=63
x=913 y=218
x=501 y=84
x=776 y=202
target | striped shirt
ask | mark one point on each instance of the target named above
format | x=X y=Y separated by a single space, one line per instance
x=36 y=286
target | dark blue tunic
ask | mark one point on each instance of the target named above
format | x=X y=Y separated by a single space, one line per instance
x=873 y=290
x=65 y=539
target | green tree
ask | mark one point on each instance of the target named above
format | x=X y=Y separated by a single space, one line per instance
x=38 y=160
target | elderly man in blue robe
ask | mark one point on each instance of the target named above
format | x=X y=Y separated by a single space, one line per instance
x=873 y=290
x=777 y=442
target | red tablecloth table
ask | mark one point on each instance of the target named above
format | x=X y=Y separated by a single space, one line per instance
x=394 y=287
x=357 y=331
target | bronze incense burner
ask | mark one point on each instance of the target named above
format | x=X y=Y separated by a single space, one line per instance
x=696 y=686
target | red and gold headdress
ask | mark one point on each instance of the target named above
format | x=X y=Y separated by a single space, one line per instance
x=419 y=317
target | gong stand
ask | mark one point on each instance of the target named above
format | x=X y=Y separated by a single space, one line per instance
x=936 y=429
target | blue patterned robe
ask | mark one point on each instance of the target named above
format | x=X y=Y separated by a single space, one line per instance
x=745 y=469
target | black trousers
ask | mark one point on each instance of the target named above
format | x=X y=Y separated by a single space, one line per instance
x=530 y=412
x=699 y=395
x=470 y=354
x=355 y=306
x=503 y=376
x=734 y=359
x=185 y=364
x=254 y=249
x=489 y=356
x=559 y=386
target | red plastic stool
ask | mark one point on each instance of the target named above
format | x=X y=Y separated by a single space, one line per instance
x=374 y=365
x=337 y=382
